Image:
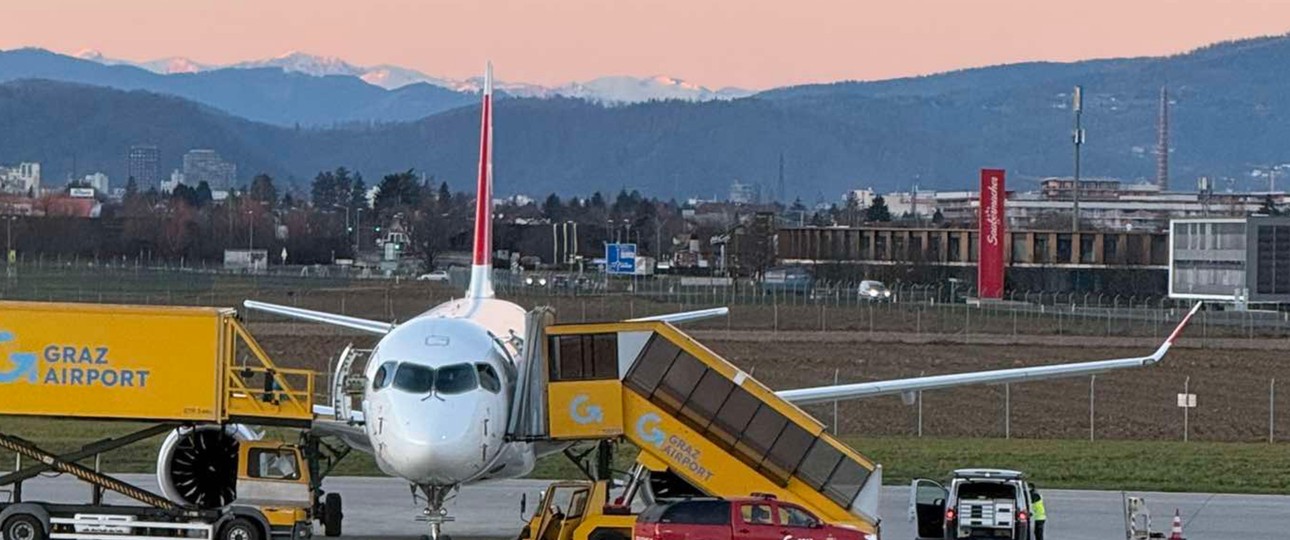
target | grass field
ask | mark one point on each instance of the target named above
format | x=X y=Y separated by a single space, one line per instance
x=1109 y=465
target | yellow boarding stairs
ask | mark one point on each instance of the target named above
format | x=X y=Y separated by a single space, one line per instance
x=695 y=414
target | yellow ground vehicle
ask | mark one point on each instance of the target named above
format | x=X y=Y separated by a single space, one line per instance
x=193 y=373
x=579 y=510
x=703 y=426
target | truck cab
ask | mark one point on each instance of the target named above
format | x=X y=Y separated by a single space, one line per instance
x=272 y=478
x=579 y=510
x=274 y=499
x=978 y=503
x=751 y=518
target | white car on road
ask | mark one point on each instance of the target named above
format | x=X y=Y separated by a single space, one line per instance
x=437 y=275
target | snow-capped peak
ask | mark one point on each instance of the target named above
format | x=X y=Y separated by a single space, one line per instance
x=614 y=90
x=93 y=55
x=308 y=64
x=623 y=89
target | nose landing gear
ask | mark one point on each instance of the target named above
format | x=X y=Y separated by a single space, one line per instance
x=435 y=514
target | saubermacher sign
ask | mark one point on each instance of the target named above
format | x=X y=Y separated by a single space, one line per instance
x=992 y=234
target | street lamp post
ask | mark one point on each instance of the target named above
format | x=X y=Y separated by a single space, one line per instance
x=1078 y=139
x=358 y=230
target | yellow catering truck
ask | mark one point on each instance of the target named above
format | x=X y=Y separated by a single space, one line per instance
x=192 y=372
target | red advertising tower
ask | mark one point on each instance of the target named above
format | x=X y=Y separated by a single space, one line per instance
x=993 y=229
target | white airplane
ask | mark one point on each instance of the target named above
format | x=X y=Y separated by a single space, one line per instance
x=439 y=387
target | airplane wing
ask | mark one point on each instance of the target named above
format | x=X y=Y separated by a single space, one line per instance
x=686 y=316
x=326 y=423
x=365 y=325
x=805 y=396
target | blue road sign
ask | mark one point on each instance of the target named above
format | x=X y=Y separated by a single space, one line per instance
x=620 y=258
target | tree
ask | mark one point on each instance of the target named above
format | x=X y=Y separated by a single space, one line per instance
x=185 y=194
x=852 y=208
x=397 y=191
x=204 y=195
x=323 y=190
x=262 y=190
x=444 y=198
x=552 y=208
x=878 y=211
x=131 y=188
x=358 y=193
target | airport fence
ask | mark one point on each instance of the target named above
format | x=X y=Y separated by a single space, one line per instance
x=1236 y=375
x=934 y=311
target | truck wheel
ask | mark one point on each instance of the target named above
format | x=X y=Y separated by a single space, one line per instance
x=24 y=527
x=606 y=534
x=332 y=515
x=240 y=529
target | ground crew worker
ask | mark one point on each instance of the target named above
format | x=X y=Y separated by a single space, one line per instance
x=1037 y=512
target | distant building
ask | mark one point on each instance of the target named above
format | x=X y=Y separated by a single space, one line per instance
x=863 y=197
x=176 y=180
x=98 y=181
x=741 y=193
x=206 y=166
x=21 y=180
x=143 y=165
x=916 y=204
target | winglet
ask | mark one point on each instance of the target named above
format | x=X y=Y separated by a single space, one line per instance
x=686 y=316
x=1173 y=336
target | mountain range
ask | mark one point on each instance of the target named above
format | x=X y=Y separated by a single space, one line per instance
x=609 y=90
x=1229 y=105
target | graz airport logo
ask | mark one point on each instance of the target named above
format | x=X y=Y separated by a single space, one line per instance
x=582 y=413
x=66 y=365
x=686 y=455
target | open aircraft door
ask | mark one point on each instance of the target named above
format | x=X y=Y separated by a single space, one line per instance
x=927 y=508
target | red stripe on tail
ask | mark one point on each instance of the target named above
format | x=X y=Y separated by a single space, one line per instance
x=484 y=189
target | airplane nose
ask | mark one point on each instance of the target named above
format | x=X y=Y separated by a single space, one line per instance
x=437 y=441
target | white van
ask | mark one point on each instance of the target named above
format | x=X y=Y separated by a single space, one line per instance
x=979 y=503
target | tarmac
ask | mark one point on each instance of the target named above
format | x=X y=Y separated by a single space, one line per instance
x=383 y=508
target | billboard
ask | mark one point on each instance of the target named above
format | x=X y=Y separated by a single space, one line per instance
x=992 y=227
x=620 y=258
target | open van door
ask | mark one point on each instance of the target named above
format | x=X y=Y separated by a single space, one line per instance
x=927 y=508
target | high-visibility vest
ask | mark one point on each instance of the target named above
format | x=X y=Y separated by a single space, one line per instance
x=1037 y=508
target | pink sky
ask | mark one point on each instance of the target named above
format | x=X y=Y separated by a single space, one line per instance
x=748 y=43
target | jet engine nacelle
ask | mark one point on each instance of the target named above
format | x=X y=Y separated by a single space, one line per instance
x=198 y=465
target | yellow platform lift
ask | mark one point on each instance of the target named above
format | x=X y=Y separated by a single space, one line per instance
x=171 y=367
x=694 y=415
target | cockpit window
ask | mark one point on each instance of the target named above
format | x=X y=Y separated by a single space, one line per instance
x=488 y=378
x=382 y=377
x=414 y=379
x=456 y=379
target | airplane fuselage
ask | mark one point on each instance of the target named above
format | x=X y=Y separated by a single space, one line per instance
x=438 y=395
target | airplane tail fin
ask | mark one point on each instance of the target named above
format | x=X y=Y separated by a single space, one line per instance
x=481 y=270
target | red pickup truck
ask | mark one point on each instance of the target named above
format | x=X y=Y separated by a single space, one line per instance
x=753 y=518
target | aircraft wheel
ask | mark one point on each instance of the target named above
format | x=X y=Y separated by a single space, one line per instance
x=332 y=516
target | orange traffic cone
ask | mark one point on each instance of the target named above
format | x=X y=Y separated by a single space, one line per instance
x=1176 y=532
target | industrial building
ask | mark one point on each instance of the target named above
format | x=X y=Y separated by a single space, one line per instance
x=1049 y=260
x=1105 y=204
